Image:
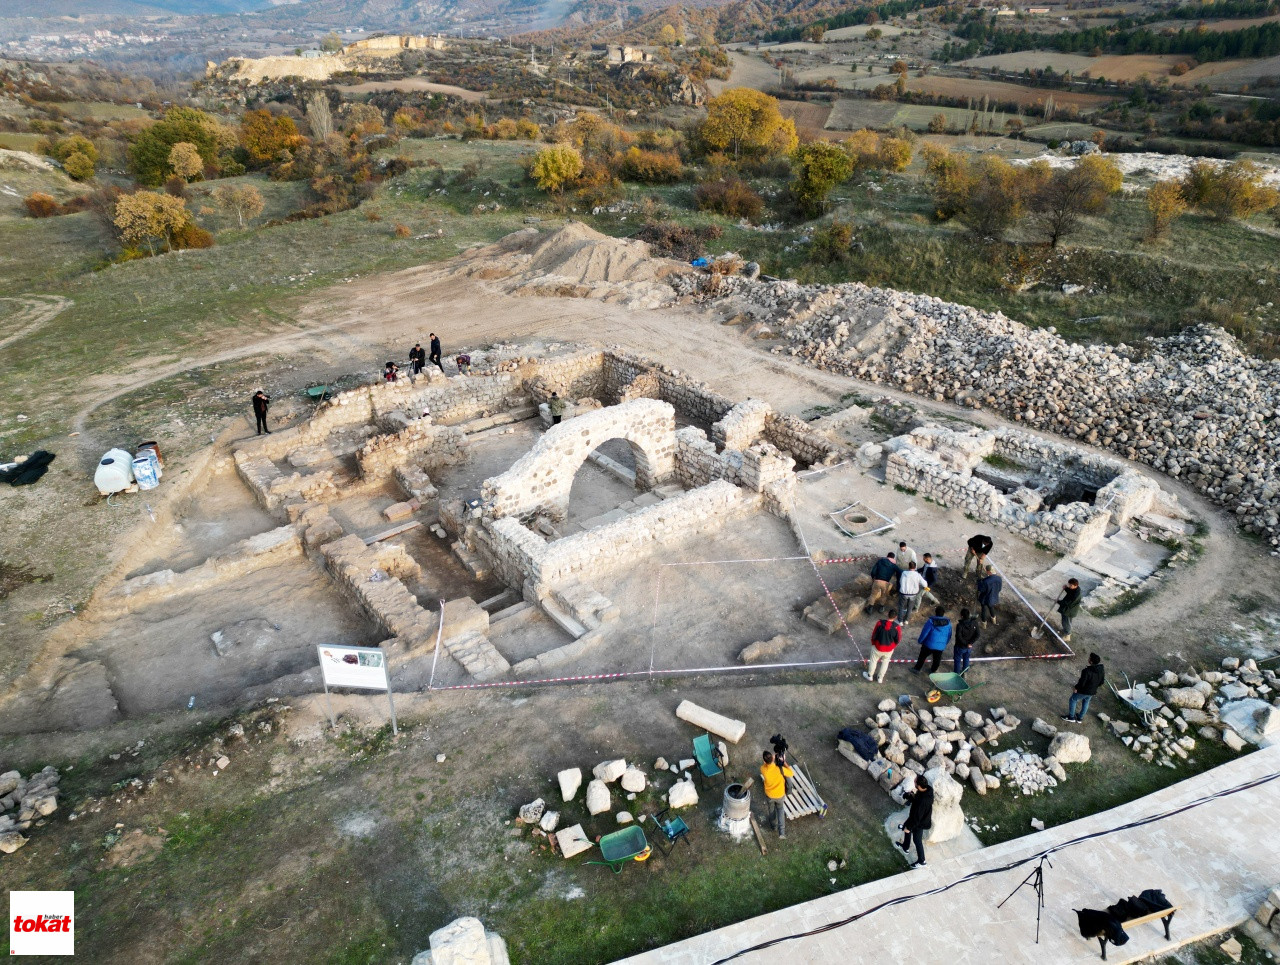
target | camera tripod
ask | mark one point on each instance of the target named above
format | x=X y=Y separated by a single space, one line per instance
x=1036 y=881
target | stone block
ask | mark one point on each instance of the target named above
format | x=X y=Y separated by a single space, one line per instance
x=532 y=812
x=1070 y=748
x=598 y=798
x=610 y=771
x=549 y=821
x=1185 y=697
x=623 y=817
x=573 y=841
x=683 y=794
x=398 y=511
x=633 y=780
x=570 y=780
x=726 y=727
x=461 y=942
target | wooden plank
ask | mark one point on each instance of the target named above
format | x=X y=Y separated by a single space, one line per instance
x=393 y=531
x=759 y=836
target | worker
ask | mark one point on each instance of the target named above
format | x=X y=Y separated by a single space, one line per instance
x=556 y=407
x=929 y=573
x=261 y=402
x=975 y=552
x=1091 y=680
x=885 y=636
x=774 y=779
x=884 y=577
x=391 y=372
x=989 y=588
x=464 y=364
x=417 y=358
x=935 y=635
x=967 y=634
x=919 y=819
x=910 y=587
x=436 y=352
x=1069 y=606
x=906 y=555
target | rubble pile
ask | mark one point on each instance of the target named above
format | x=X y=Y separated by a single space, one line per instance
x=1238 y=704
x=1192 y=405
x=24 y=803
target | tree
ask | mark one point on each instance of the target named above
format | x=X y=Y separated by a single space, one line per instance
x=1232 y=191
x=1165 y=203
x=667 y=35
x=149 y=153
x=895 y=153
x=996 y=199
x=185 y=161
x=364 y=119
x=79 y=166
x=319 y=116
x=554 y=167
x=875 y=33
x=1068 y=194
x=819 y=167
x=863 y=148
x=899 y=67
x=938 y=124
x=331 y=42
x=149 y=216
x=242 y=200
x=266 y=137
x=950 y=177
x=747 y=121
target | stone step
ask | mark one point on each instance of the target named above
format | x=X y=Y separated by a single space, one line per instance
x=502 y=601
x=499 y=419
x=478 y=656
x=516 y=613
x=566 y=623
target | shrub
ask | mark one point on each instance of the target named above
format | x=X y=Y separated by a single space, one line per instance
x=832 y=243
x=402 y=231
x=176 y=186
x=556 y=166
x=41 y=205
x=597 y=185
x=190 y=235
x=671 y=240
x=650 y=167
x=731 y=197
x=79 y=166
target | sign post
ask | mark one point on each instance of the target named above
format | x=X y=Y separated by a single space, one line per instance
x=361 y=668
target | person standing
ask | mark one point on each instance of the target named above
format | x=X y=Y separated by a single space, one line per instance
x=774 y=779
x=919 y=820
x=1069 y=606
x=261 y=403
x=906 y=555
x=967 y=634
x=884 y=577
x=556 y=408
x=436 y=353
x=910 y=586
x=929 y=573
x=934 y=638
x=1091 y=679
x=975 y=552
x=885 y=636
x=989 y=588
x=417 y=358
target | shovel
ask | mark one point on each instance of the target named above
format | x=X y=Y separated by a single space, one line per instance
x=1037 y=632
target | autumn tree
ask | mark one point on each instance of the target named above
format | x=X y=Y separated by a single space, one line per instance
x=555 y=167
x=331 y=43
x=950 y=178
x=1234 y=190
x=1165 y=203
x=79 y=166
x=149 y=153
x=148 y=217
x=78 y=154
x=242 y=200
x=819 y=167
x=863 y=148
x=1068 y=194
x=895 y=153
x=319 y=116
x=747 y=122
x=667 y=35
x=265 y=137
x=899 y=67
x=938 y=124
x=184 y=160
x=364 y=120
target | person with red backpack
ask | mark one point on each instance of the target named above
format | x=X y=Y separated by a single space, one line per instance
x=886 y=635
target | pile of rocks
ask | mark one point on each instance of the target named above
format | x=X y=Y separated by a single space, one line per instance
x=923 y=738
x=1238 y=704
x=24 y=803
x=1193 y=405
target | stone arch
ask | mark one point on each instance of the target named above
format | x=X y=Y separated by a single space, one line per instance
x=539 y=482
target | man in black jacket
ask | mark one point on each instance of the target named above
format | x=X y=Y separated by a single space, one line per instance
x=261 y=402
x=417 y=358
x=1069 y=606
x=436 y=351
x=919 y=820
x=967 y=634
x=884 y=577
x=975 y=552
x=1091 y=678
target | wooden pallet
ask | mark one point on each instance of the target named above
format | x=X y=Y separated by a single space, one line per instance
x=804 y=799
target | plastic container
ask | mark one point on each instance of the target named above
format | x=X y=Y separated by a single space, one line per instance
x=114 y=473
x=144 y=471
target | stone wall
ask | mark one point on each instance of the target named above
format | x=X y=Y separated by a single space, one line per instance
x=426 y=446
x=797 y=437
x=741 y=425
x=451 y=401
x=579 y=375
x=541 y=479
x=693 y=401
x=760 y=467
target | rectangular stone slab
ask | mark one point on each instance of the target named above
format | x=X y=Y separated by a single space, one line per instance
x=726 y=727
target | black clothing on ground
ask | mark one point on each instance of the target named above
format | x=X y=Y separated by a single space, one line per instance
x=1091 y=679
x=30 y=470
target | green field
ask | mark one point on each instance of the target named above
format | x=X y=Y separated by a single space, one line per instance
x=99 y=110
x=850 y=114
x=19 y=142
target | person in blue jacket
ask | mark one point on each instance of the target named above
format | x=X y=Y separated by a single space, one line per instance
x=989 y=588
x=935 y=635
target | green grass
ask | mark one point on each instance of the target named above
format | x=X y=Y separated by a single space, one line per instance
x=12 y=141
x=99 y=110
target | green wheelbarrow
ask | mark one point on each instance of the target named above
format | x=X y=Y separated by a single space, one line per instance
x=318 y=393
x=619 y=847
x=952 y=684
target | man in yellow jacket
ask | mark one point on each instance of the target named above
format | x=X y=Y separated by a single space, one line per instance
x=774 y=779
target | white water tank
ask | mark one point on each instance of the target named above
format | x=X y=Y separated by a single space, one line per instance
x=114 y=473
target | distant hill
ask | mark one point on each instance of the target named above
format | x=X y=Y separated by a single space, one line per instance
x=127 y=8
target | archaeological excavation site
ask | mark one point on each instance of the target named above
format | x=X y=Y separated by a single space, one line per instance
x=646 y=530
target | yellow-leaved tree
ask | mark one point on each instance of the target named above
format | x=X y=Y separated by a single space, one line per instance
x=1165 y=203
x=185 y=160
x=148 y=217
x=555 y=167
x=747 y=121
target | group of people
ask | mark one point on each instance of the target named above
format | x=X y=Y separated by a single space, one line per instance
x=418 y=357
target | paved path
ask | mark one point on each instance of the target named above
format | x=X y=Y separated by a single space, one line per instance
x=1217 y=861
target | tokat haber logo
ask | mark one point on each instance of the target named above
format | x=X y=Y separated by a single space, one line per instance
x=42 y=922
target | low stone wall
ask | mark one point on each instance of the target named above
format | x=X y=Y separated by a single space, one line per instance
x=541 y=479
x=451 y=401
x=760 y=467
x=426 y=446
x=579 y=375
x=741 y=425
x=797 y=437
x=692 y=400
x=246 y=556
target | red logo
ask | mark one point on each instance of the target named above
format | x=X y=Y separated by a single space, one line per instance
x=54 y=923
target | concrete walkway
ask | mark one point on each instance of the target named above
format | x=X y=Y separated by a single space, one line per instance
x=1217 y=861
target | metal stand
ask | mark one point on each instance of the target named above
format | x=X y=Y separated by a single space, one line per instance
x=1036 y=881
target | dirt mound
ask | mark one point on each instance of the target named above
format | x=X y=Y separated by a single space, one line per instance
x=581 y=254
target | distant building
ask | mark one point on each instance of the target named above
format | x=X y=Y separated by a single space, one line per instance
x=618 y=54
x=1037 y=11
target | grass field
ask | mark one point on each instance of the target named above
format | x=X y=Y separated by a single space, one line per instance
x=19 y=142
x=100 y=110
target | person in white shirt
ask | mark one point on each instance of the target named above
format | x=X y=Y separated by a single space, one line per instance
x=905 y=555
x=910 y=586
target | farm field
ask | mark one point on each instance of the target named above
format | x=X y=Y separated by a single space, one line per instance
x=18 y=142
x=748 y=71
x=810 y=118
x=100 y=110
x=1000 y=91
x=850 y=115
x=860 y=31
x=1130 y=67
x=414 y=84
